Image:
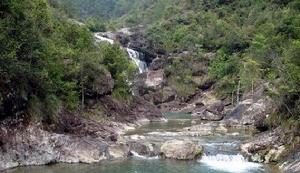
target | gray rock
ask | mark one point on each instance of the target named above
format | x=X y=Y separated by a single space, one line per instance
x=34 y=146
x=143 y=148
x=164 y=95
x=212 y=112
x=265 y=147
x=149 y=81
x=251 y=113
x=291 y=164
x=181 y=150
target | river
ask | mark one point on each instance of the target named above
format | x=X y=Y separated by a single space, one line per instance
x=221 y=153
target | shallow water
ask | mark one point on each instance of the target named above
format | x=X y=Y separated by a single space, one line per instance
x=221 y=154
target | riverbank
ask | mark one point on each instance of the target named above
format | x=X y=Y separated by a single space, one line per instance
x=220 y=148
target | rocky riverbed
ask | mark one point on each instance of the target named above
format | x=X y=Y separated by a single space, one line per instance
x=206 y=146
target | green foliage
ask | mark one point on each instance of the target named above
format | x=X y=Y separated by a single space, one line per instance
x=48 y=62
x=179 y=77
x=120 y=67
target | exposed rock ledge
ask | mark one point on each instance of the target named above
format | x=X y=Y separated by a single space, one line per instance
x=73 y=139
x=181 y=150
x=24 y=145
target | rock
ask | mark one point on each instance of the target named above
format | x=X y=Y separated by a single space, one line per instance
x=213 y=112
x=149 y=81
x=143 y=148
x=143 y=109
x=118 y=151
x=155 y=79
x=292 y=163
x=138 y=109
x=251 y=113
x=181 y=150
x=257 y=113
x=34 y=146
x=164 y=95
x=158 y=63
x=265 y=147
x=274 y=154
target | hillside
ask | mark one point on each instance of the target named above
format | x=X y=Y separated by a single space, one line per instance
x=85 y=81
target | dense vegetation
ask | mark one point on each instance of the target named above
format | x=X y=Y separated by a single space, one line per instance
x=255 y=43
x=48 y=62
x=238 y=44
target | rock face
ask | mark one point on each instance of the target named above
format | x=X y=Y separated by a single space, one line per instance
x=266 y=147
x=150 y=81
x=34 y=146
x=138 y=109
x=212 y=112
x=292 y=164
x=155 y=79
x=143 y=148
x=180 y=150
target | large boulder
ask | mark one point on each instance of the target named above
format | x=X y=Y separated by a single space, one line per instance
x=181 y=150
x=251 y=113
x=212 y=112
x=158 y=63
x=34 y=146
x=266 y=147
x=143 y=148
x=257 y=114
x=149 y=81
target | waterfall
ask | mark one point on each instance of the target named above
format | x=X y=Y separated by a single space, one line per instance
x=229 y=163
x=135 y=57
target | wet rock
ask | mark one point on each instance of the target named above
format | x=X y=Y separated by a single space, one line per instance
x=143 y=148
x=265 y=147
x=181 y=150
x=118 y=151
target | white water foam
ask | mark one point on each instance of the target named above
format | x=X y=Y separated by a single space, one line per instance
x=135 y=57
x=137 y=155
x=166 y=134
x=229 y=163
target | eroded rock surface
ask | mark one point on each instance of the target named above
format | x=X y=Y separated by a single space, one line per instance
x=181 y=150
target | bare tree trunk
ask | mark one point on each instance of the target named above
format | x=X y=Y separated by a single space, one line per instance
x=252 y=90
x=232 y=98
x=238 y=93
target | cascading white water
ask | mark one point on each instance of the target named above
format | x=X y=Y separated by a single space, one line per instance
x=137 y=155
x=135 y=56
x=229 y=163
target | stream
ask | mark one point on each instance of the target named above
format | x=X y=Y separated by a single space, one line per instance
x=221 y=153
